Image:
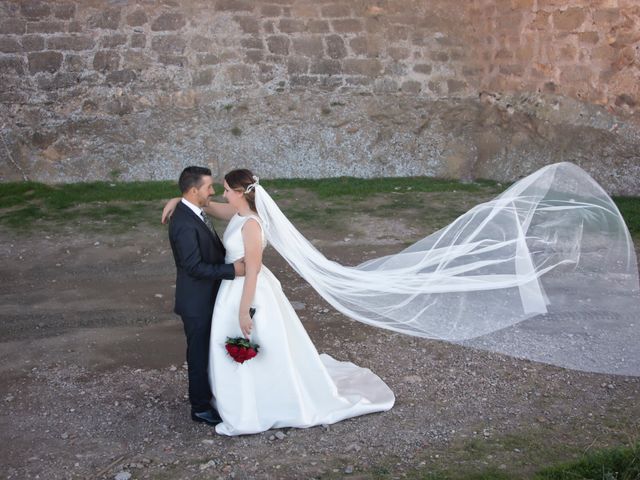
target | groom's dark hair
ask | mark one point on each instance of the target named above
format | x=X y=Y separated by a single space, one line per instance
x=192 y=177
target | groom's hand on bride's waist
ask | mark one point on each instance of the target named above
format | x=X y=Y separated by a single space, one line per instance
x=238 y=266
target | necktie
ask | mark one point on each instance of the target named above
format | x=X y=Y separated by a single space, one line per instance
x=206 y=220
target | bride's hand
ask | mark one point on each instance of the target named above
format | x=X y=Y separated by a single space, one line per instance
x=246 y=324
x=168 y=209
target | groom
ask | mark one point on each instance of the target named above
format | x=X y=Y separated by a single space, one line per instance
x=199 y=256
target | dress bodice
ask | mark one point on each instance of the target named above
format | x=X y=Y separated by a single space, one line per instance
x=232 y=238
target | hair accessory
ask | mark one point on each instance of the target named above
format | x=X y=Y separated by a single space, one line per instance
x=252 y=186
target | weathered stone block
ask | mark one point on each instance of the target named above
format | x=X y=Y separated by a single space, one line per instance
x=367 y=67
x=575 y=74
x=65 y=11
x=509 y=21
x=238 y=74
x=525 y=5
x=74 y=27
x=202 y=77
x=270 y=11
x=119 y=106
x=170 y=59
x=318 y=26
x=137 y=18
x=9 y=45
x=44 y=62
x=46 y=27
x=137 y=60
x=369 y=45
x=268 y=27
x=12 y=63
x=455 y=86
x=308 y=46
x=541 y=21
x=335 y=46
x=278 y=44
x=14 y=26
x=297 y=65
x=374 y=25
x=58 y=81
x=303 y=81
x=253 y=42
x=397 y=33
x=568 y=53
x=32 y=43
x=70 y=42
x=385 y=85
x=114 y=40
x=326 y=67
x=516 y=69
x=138 y=40
x=570 y=19
x=336 y=10
x=606 y=16
x=503 y=54
x=168 y=44
x=34 y=9
x=200 y=43
x=349 y=25
x=411 y=86
x=235 y=5
x=439 y=56
x=247 y=24
x=121 y=77
x=168 y=21
x=106 y=60
x=423 y=68
x=253 y=56
x=288 y=25
x=108 y=19
x=525 y=52
x=267 y=73
x=208 y=59
x=74 y=63
x=398 y=53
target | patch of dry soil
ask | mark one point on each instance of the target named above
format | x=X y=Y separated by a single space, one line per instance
x=92 y=381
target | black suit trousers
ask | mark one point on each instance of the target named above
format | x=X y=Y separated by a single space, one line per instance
x=198 y=331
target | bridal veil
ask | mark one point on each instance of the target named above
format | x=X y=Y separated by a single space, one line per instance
x=545 y=271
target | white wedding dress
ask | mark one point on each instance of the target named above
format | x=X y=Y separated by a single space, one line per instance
x=288 y=384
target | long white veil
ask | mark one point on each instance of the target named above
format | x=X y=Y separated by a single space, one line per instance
x=546 y=271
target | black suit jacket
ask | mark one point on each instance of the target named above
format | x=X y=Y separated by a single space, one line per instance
x=199 y=256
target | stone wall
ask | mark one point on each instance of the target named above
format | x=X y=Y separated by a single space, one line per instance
x=586 y=49
x=293 y=88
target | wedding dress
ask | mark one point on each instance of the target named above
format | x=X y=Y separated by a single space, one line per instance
x=288 y=384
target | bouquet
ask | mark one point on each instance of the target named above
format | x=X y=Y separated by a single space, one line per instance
x=241 y=349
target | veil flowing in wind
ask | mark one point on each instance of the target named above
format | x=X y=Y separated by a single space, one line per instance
x=545 y=271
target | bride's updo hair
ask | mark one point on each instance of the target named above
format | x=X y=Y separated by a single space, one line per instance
x=239 y=180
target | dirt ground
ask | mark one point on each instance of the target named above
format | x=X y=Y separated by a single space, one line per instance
x=93 y=382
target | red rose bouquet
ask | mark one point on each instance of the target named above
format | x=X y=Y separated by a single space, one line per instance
x=241 y=349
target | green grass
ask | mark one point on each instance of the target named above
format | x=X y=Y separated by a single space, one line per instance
x=621 y=463
x=23 y=204
x=363 y=187
x=630 y=209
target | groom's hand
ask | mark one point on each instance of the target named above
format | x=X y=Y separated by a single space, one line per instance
x=238 y=266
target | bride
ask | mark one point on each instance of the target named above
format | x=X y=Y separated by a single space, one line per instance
x=546 y=271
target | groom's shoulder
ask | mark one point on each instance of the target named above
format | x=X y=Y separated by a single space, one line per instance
x=179 y=216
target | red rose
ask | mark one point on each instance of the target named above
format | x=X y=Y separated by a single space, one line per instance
x=251 y=352
x=233 y=350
